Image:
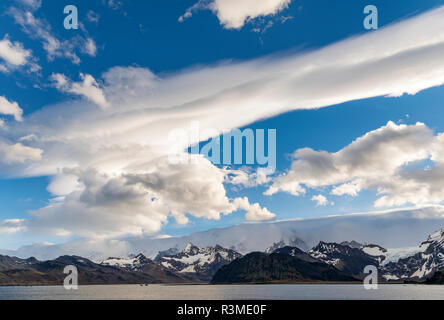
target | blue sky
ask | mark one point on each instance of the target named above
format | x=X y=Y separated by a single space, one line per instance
x=147 y=34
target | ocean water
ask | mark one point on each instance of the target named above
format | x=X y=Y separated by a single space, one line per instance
x=225 y=292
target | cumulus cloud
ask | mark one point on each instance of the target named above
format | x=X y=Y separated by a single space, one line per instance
x=233 y=14
x=88 y=88
x=374 y=156
x=120 y=152
x=321 y=201
x=389 y=160
x=92 y=203
x=10 y=108
x=15 y=55
x=254 y=211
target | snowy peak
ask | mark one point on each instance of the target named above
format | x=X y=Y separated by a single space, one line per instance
x=375 y=251
x=191 y=249
x=352 y=244
x=200 y=262
x=297 y=253
x=434 y=241
x=132 y=263
x=427 y=259
x=437 y=237
x=298 y=243
x=348 y=259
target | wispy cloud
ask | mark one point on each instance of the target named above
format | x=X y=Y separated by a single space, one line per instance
x=88 y=88
x=39 y=28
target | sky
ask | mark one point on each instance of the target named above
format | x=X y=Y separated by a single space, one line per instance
x=85 y=114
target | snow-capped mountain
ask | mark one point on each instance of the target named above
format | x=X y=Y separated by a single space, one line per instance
x=413 y=264
x=349 y=259
x=423 y=264
x=201 y=263
x=298 y=243
x=132 y=263
x=398 y=228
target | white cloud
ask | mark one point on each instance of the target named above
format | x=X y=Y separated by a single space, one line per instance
x=388 y=160
x=11 y=226
x=94 y=203
x=254 y=211
x=374 y=156
x=90 y=47
x=321 y=201
x=31 y=4
x=88 y=88
x=40 y=29
x=18 y=153
x=397 y=228
x=121 y=151
x=233 y=14
x=15 y=55
x=10 y=108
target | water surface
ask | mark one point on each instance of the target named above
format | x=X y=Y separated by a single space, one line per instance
x=225 y=292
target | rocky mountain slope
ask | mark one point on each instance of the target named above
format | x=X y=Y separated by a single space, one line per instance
x=343 y=261
x=198 y=263
x=283 y=265
x=411 y=264
x=398 y=228
x=349 y=259
x=194 y=265
x=51 y=273
x=421 y=265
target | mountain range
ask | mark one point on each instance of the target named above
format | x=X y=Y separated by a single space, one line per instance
x=401 y=228
x=327 y=261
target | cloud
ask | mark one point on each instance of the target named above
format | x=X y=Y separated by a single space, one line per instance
x=31 y=4
x=113 y=4
x=233 y=14
x=398 y=228
x=10 y=108
x=389 y=160
x=40 y=29
x=92 y=16
x=321 y=201
x=254 y=211
x=120 y=152
x=90 y=47
x=90 y=203
x=11 y=226
x=18 y=153
x=14 y=55
x=88 y=88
